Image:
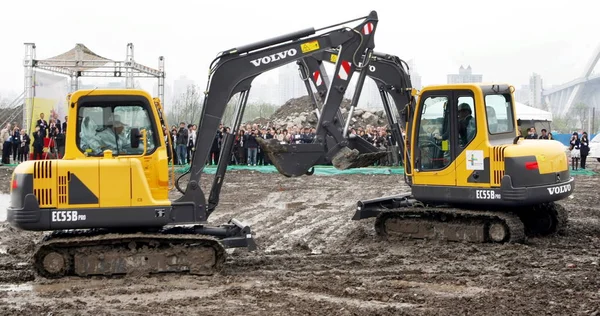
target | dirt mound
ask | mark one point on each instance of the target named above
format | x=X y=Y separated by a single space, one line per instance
x=301 y=112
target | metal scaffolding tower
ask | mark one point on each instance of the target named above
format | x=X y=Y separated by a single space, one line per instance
x=82 y=62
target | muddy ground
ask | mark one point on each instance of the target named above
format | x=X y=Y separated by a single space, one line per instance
x=314 y=260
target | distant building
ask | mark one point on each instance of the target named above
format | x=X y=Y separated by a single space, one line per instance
x=290 y=83
x=535 y=91
x=370 y=96
x=415 y=77
x=465 y=75
x=522 y=94
x=180 y=86
x=264 y=92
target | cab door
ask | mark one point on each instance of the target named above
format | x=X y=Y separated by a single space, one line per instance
x=432 y=139
x=445 y=128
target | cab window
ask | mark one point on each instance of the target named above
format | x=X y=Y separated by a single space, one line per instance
x=108 y=127
x=499 y=111
x=433 y=134
x=467 y=126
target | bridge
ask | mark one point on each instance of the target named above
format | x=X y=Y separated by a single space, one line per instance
x=585 y=89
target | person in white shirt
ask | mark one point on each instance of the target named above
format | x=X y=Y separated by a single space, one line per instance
x=111 y=138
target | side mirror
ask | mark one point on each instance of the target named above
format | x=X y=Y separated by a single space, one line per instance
x=134 y=137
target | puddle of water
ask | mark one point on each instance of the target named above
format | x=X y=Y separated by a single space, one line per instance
x=16 y=287
x=4 y=201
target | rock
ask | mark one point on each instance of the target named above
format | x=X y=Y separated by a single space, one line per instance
x=301 y=112
x=571 y=265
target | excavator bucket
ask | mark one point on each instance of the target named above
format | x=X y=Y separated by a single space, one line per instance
x=359 y=153
x=291 y=160
x=348 y=158
x=294 y=160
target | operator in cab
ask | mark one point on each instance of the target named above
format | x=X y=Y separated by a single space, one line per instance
x=466 y=124
x=112 y=137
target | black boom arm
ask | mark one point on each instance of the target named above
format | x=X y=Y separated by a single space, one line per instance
x=392 y=78
x=234 y=70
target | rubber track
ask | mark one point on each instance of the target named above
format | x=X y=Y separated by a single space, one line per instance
x=78 y=240
x=562 y=218
x=513 y=223
x=555 y=210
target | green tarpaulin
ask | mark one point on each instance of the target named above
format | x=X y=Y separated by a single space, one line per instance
x=319 y=170
x=330 y=170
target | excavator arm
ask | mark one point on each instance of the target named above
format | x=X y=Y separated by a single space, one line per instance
x=391 y=75
x=234 y=70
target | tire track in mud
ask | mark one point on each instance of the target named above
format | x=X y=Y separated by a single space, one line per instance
x=314 y=260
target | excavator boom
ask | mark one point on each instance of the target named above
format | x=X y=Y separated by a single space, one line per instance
x=234 y=70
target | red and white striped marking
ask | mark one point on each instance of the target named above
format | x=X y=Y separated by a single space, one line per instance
x=317 y=78
x=344 y=70
x=368 y=28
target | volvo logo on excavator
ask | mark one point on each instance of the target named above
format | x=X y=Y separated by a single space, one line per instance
x=274 y=57
x=559 y=189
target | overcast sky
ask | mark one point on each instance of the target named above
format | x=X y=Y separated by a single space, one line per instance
x=503 y=40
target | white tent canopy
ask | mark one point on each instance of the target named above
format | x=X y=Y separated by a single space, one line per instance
x=524 y=112
x=528 y=113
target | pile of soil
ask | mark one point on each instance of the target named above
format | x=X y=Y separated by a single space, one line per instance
x=301 y=112
x=314 y=260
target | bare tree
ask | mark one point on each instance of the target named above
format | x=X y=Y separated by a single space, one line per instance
x=259 y=110
x=187 y=107
x=4 y=101
x=581 y=112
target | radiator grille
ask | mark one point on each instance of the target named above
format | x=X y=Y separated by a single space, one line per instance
x=43 y=183
x=44 y=196
x=42 y=170
x=497 y=165
x=62 y=189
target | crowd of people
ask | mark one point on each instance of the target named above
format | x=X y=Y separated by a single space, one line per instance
x=246 y=150
x=579 y=147
x=15 y=141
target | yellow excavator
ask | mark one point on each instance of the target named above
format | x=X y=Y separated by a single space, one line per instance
x=471 y=177
x=106 y=201
x=107 y=206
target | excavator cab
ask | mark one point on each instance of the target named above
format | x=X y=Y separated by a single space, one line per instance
x=465 y=150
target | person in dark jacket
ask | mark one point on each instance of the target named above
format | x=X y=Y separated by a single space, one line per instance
x=16 y=141
x=38 y=143
x=24 y=142
x=584 y=148
x=182 y=142
x=252 y=145
x=215 y=149
x=575 y=151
